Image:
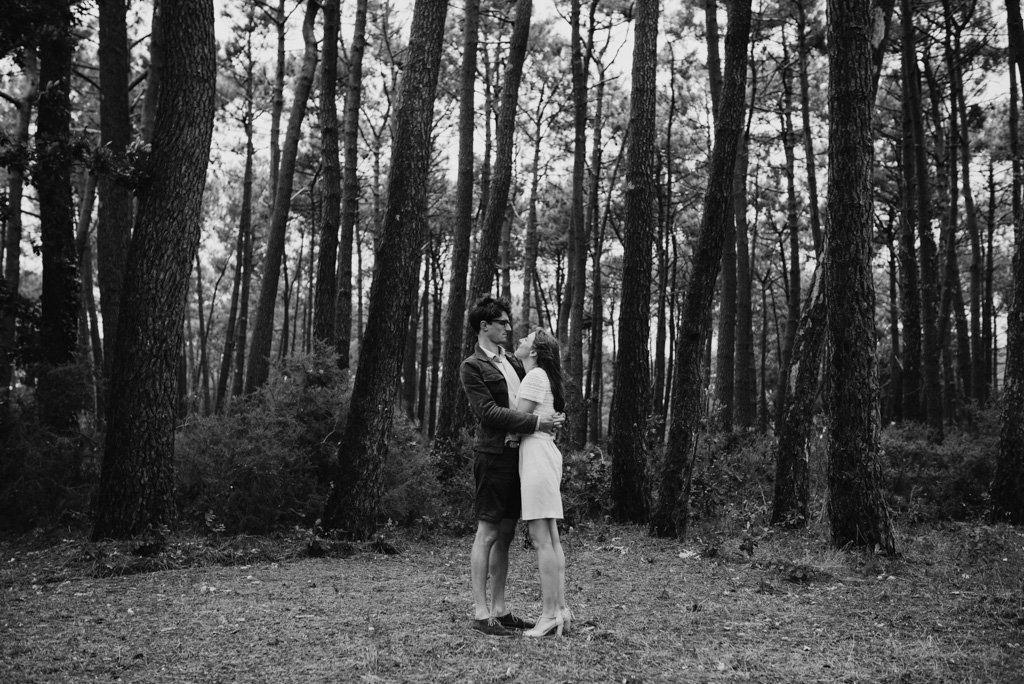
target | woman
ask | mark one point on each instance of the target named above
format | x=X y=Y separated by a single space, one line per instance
x=540 y=471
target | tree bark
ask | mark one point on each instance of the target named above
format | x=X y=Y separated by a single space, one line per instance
x=1008 y=484
x=58 y=328
x=135 y=495
x=350 y=186
x=857 y=514
x=910 y=293
x=628 y=421
x=745 y=396
x=236 y=315
x=114 y=226
x=359 y=479
x=793 y=229
x=725 y=363
x=324 y=314
x=671 y=515
x=453 y=411
x=263 y=329
x=575 y=406
x=486 y=266
x=154 y=73
x=13 y=231
x=790 y=507
x=930 y=361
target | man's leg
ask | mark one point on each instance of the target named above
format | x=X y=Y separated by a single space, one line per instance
x=498 y=565
x=487 y=533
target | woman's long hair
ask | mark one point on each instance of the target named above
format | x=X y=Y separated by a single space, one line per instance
x=548 y=360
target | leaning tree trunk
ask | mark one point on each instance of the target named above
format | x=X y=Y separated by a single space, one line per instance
x=349 y=187
x=628 y=421
x=58 y=328
x=114 y=225
x=1008 y=487
x=326 y=291
x=490 y=233
x=263 y=328
x=671 y=515
x=453 y=411
x=135 y=495
x=857 y=514
x=359 y=477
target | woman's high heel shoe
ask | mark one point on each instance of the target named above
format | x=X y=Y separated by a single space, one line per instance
x=546 y=626
x=566 y=614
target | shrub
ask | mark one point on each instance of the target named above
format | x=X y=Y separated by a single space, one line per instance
x=947 y=481
x=267 y=462
x=46 y=476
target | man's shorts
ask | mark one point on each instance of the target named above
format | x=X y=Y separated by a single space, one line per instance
x=497 y=485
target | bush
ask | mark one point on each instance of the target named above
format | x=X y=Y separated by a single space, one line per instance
x=47 y=476
x=949 y=481
x=267 y=462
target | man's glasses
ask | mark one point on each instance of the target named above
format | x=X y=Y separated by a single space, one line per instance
x=502 y=321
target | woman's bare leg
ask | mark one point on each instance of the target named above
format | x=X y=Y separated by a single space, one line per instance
x=547 y=561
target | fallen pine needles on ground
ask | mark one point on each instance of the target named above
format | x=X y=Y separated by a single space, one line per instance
x=770 y=607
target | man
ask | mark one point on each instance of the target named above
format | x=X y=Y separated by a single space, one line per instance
x=490 y=378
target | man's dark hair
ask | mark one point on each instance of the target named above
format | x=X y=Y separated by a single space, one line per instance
x=487 y=309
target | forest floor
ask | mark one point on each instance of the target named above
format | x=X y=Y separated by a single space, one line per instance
x=255 y=609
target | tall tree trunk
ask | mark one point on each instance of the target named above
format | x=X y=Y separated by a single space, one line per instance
x=326 y=284
x=409 y=376
x=725 y=368
x=486 y=266
x=453 y=411
x=246 y=236
x=910 y=292
x=135 y=495
x=421 y=399
x=435 y=332
x=977 y=377
x=359 y=478
x=154 y=74
x=58 y=327
x=13 y=231
x=931 y=349
x=235 y=319
x=114 y=227
x=857 y=514
x=263 y=328
x=595 y=370
x=1008 y=484
x=894 y=404
x=671 y=516
x=530 y=238
x=350 y=186
x=790 y=507
x=745 y=396
x=280 y=20
x=89 y=342
x=628 y=421
x=575 y=405
x=793 y=229
x=808 y=137
x=988 y=305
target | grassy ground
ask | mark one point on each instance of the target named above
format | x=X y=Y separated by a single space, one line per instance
x=951 y=609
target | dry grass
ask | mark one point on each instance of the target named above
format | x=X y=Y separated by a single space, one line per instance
x=950 y=610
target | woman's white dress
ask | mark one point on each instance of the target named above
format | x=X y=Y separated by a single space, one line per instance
x=540 y=461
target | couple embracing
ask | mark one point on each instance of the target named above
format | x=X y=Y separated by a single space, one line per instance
x=519 y=399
